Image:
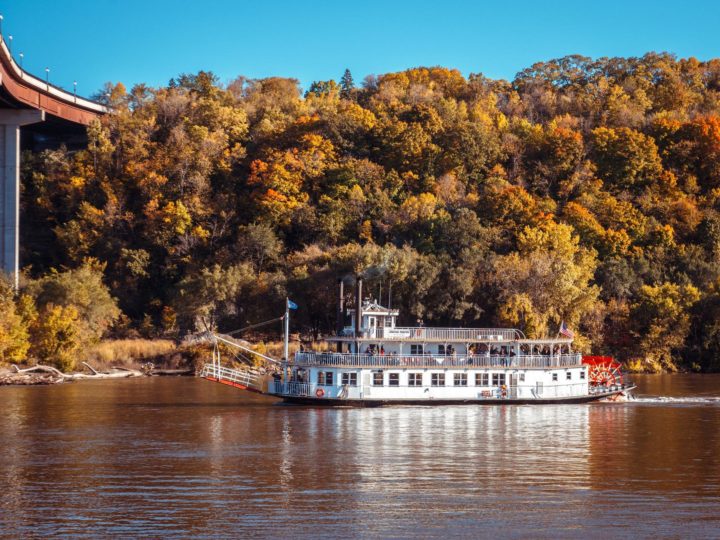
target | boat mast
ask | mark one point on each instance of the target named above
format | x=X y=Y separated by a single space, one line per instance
x=286 y=345
x=358 y=312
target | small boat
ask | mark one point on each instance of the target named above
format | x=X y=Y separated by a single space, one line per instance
x=376 y=362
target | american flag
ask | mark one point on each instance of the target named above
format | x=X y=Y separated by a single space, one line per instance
x=565 y=331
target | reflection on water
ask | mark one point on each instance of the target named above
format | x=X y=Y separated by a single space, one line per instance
x=158 y=457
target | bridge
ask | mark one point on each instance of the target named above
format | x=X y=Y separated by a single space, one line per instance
x=48 y=115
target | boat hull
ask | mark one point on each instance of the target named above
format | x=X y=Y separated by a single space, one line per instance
x=329 y=402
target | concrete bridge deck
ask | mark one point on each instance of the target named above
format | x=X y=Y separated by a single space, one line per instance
x=50 y=114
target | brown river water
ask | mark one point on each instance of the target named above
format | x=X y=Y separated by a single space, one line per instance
x=180 y=457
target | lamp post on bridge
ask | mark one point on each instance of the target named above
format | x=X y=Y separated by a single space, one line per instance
x=75 y=91
x=1 y=20
x=22 y=55
x=10 y=38
x=47 y=78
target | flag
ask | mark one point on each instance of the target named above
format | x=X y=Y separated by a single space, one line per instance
x=565 y=331
x=291 y=304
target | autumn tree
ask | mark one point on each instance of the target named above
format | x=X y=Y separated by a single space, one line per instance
x=661 y=322
x=14 y=336
x=547 y=280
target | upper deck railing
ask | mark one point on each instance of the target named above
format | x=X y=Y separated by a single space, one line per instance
x=440 y=334
x=330 y=359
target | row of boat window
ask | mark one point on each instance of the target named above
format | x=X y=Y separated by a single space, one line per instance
x=326 y=378
x=419 y=349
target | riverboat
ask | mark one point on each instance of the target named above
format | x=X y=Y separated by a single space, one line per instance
x=376 y=362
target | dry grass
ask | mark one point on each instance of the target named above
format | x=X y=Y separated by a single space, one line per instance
x=127 y=351
x=274 y=349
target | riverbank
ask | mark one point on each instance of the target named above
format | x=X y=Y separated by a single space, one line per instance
x=123 y=358
x=44 y=375
x=113 y=359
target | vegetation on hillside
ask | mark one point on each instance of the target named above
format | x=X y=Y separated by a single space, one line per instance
x=584 y=190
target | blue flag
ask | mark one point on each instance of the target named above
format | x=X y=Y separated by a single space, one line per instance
x=291 y=304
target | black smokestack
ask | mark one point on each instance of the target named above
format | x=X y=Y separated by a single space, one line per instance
x=341 y=306
x=358 y=305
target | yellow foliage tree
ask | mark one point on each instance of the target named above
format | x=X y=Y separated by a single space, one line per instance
x=661 y=322
x=14 y=343
x=547 y=280
x=57 y=336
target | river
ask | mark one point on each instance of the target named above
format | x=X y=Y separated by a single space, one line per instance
x=160 y=457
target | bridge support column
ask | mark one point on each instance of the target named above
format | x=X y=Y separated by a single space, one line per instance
x=10 y=122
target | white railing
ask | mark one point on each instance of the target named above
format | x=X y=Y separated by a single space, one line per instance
x=293 y=388
x=221 y=373
x=445 y=334
x=435 y=361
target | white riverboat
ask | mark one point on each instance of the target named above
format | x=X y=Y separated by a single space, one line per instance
x=384 y=364
x=376 y=362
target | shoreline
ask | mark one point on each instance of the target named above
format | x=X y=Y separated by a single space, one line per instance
x=46 y=375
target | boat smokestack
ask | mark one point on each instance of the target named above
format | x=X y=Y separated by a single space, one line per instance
x=341 y=307
x=358 y=306
x=340 y=325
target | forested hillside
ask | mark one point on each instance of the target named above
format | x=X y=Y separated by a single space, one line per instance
x=584 y=191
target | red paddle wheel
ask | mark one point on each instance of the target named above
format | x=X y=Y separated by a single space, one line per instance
x=603 y=370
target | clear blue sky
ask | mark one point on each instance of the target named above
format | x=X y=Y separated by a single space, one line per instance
x=131 y=41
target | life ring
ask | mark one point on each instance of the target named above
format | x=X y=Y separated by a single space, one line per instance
x=319 y=392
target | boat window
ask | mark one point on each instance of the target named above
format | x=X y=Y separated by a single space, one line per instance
x=437 y=379
x=328 y=378
x=568 y=375
x=321 y=378
x=554 y=376
x=350 y=379
x=378 y=378
x=460 y=379
x=414 y=379
x=498 y=379
x=416 y=349
x=522 y=377
x=388 y=322
x=582 y=374
x=393 y=379
x=441 y=349
x=482 y=379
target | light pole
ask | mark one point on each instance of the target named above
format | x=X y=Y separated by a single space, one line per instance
x=47 y=78
x=10 y=44
x=75 y=90
x=22 y=55
x=1 y=20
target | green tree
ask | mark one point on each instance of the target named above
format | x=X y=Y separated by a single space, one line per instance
x=210 y=294
x=346 y=84
x=661 y=321
x=83 y=290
